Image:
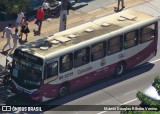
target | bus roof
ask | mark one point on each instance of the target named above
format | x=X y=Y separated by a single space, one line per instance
x=85 y=32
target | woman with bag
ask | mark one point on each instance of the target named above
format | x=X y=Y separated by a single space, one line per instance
x=24 y=28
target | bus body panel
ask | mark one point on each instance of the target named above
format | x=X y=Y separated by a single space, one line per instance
x=91 y=73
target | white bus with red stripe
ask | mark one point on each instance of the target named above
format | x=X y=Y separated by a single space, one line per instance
x=74 y=58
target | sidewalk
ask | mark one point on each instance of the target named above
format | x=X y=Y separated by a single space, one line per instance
x=51 y=25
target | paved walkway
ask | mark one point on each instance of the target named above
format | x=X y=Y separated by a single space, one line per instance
x=51 y=25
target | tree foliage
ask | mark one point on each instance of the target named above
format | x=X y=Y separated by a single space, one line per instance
x=157 y=82
x=16 y=6
x=147 y=101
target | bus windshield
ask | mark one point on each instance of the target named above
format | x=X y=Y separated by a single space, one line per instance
x=26 y=73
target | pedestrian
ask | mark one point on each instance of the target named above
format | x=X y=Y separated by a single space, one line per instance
x=8 y=32
x=15 y=37
x=24 y=28
x=118 y=5
x=19 y=19
x=39 y=18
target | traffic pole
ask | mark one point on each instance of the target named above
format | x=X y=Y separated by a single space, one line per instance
x=63 y=15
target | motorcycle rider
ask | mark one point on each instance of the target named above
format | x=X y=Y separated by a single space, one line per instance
x=45 y=5
x=53 y=8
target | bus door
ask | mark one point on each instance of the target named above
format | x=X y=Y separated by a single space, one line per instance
x=50 y=77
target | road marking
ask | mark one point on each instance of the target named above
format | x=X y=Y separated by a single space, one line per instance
x=117 y=97
x=102 y=112
x=105 y=101
x=155 y=61
x=121 y=104
x=130 y=92
x=129 y=101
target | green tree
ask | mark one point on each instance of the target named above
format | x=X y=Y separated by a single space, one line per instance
x=147 y=100
x=16 y=6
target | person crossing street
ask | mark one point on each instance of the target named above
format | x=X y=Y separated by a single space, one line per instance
x=8 y=32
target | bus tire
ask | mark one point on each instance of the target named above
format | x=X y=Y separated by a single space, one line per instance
x=63 y=90
x=119 y=70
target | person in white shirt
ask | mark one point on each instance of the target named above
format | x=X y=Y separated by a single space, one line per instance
x=8 y=32
x=15 y=37
x=19 y=19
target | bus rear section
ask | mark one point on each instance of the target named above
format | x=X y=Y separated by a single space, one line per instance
x=140 y=45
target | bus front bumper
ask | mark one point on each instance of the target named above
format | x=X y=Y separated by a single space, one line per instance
x=34 y=95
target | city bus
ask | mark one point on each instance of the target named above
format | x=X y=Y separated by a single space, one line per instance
x=53 y=66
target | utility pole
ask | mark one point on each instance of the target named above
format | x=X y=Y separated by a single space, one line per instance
x=63 y=15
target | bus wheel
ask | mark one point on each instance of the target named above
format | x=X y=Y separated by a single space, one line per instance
x=63 y=90
x=120 y=68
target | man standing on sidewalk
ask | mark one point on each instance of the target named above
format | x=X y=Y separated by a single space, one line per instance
x=8 y=32
x=118 y=5
x=19 y=19
x=40 y=16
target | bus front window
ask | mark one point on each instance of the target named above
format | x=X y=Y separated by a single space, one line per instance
x=26 y=74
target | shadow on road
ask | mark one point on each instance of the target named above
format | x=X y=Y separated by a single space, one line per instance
x=36 y=32
x=22 y=42
x=118 y=10
x=5 y=53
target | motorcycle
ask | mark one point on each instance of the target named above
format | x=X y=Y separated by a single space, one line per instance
x=5 y=72
x=52 y=9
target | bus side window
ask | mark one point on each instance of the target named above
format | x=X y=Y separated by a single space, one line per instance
x=81 y=57
x=51 y=70
x=147 y=33
x=66 y=62
x=98 y=51
x=114 y=45
x=130 y=39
